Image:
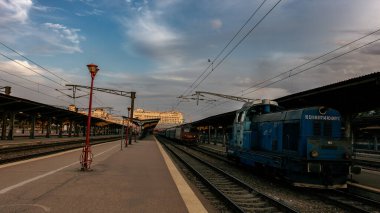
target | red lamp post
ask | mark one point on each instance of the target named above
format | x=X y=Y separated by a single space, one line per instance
x=86 y=156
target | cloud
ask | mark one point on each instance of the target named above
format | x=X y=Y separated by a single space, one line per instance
x=18 y=67
x=166 y=3
x=372 y=50
x=65 y=33
x=94 y=12
x=216 y=24
x=148 y=35
x=45 y=38
x=15 y=11
x=145 y=29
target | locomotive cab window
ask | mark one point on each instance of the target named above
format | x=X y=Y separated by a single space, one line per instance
x=240 y=117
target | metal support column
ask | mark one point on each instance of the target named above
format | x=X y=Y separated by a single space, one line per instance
x=32 y=126
x=11 y=126
x=4 y=126
x=48 y=128
x=209 y=134
x=133 y=96
x=60 y=129
x=70 y=128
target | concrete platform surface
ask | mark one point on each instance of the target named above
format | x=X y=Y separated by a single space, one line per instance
x=139 y=178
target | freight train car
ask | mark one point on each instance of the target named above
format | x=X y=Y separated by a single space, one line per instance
x=185 y=134
x=304 y=146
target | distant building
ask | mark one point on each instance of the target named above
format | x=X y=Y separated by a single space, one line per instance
x=73 y=108
x=100 y=113
x=167 y=119
x=96 y=112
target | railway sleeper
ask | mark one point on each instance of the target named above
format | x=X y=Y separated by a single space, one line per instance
x=240 y=192
x=253 y=204
x=234 y=190
x=265 y=209
x=224 y=184
x=245 y=200
x=242 y=196
x=219 y=179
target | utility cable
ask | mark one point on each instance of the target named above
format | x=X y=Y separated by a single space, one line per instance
x=33 y=62
x=319 y=57
x=30 y=89
x=37 y=83
x=30 y=69
x=225 y=47
x=213 y=68
x=97 y=99
x=246 y=35
x=306 y=69
x=27 y=79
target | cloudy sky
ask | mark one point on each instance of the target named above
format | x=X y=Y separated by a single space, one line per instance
x=163 y=49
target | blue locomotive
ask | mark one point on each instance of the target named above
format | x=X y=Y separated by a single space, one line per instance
x=304 y=146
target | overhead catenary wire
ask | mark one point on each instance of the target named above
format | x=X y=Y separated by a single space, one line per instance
x=28 y=59
x=33 y=90
x=318 y=64
x=31 y=70
x=233 y=49
x=225 y=47
x=192 y=87
x=312 y=60
x=38 y=73
x=26 y=79
x=1 y=70
x=206 y=108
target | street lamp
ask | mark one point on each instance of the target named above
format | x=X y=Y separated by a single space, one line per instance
x=86 y=156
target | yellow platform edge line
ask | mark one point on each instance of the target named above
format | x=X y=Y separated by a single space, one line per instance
x=193 y=204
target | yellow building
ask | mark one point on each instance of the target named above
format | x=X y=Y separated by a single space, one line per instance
x=167 y=119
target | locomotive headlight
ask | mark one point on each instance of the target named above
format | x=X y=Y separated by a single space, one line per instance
x=314 y=154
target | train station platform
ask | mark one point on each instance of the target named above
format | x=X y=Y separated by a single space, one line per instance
x=139 y=178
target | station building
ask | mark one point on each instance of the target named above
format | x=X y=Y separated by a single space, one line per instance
x=167 y=119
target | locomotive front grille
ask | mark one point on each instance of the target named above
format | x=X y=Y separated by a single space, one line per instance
x=314 y=167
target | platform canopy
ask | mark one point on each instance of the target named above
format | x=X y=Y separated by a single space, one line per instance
x=351 y=96
x=26 y=108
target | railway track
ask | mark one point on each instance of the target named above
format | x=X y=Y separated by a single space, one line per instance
x=368 y=164
x=213 y=153
x=350 y=202
x=361 y=195
x=12 y=154
x=238 y=196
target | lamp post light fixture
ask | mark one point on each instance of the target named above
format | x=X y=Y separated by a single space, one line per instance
x=86 y=156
